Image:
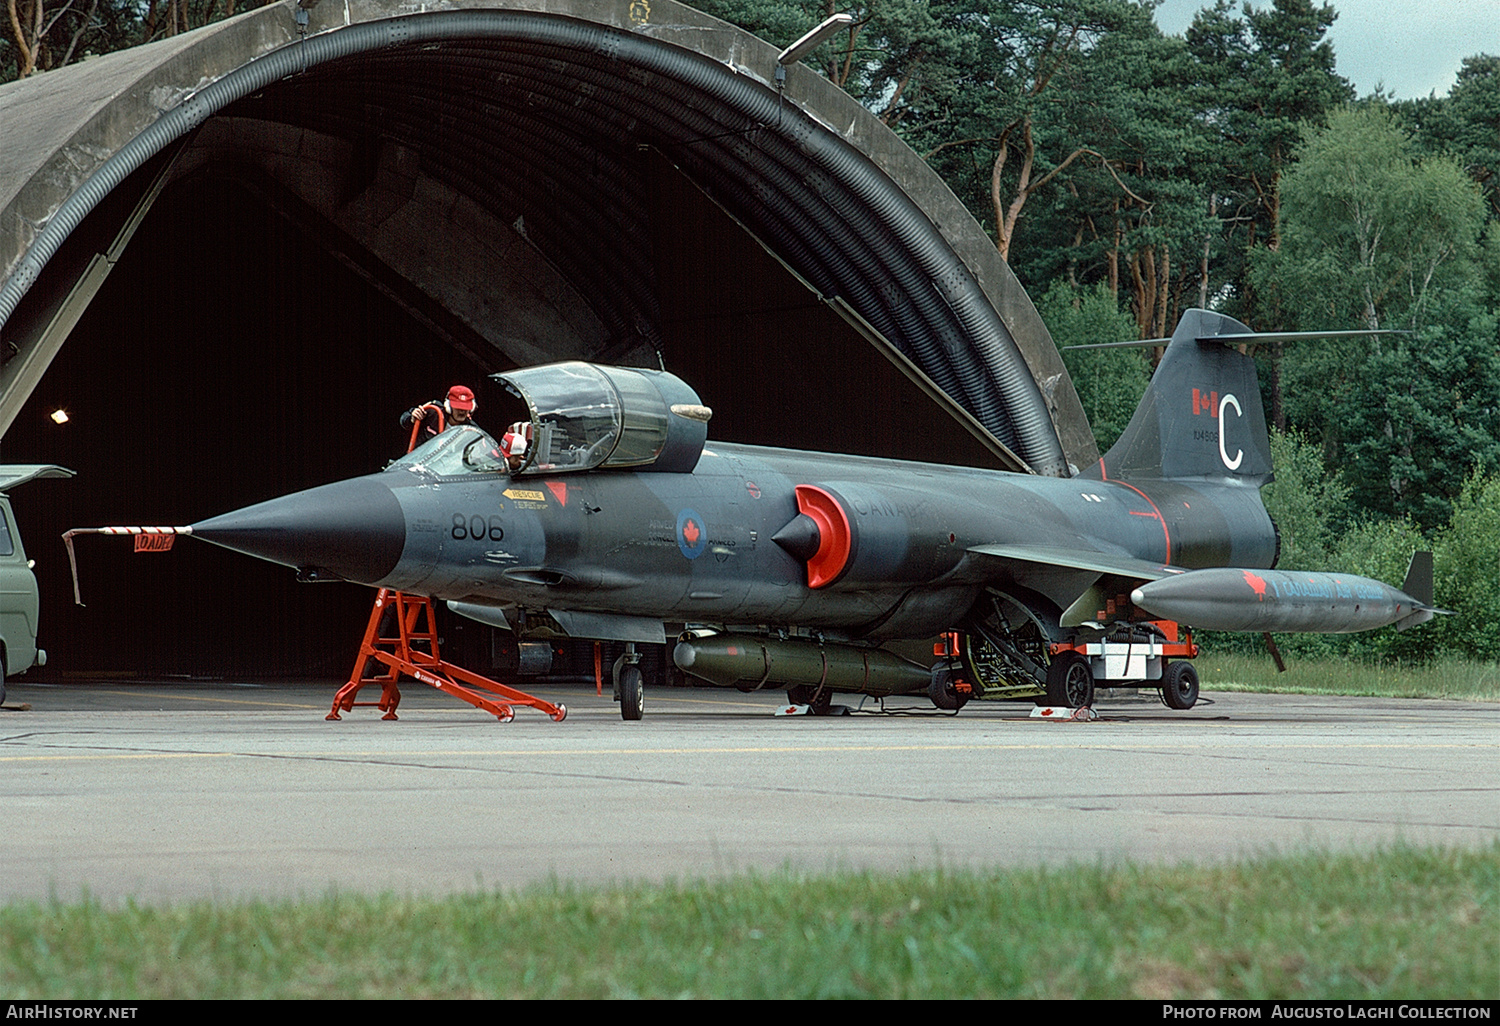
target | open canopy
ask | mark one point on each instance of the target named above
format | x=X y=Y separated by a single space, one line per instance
x=586 y=416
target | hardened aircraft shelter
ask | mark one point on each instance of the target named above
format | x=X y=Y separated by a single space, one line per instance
x=238 y=253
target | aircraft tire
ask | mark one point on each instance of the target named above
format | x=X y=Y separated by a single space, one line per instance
x=1179 y=685
x=942 y=692
x=1070 y=681
x=2 y=683
x=632 y=698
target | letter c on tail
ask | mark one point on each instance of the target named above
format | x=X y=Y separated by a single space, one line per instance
x=1239 y=454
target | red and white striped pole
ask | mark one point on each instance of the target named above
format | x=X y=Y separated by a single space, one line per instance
x=147 y=539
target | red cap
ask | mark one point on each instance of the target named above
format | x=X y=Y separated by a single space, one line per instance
x=513 y=444
x=460 y=398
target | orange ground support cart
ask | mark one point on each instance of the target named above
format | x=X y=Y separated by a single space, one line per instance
x=1142 y=659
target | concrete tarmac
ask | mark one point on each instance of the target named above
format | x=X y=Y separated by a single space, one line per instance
x=175 y=790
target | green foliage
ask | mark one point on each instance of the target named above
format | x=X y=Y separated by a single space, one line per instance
x=1306 y=502
x=1417 y=417
x=1057 y=121
x=1395 y=227
x=1262 y=76
x=1489 y=263
x=1375 y=235
x=1445 y=676
x=1110 y=382
x=1467 y=573
x=1463 y=124
x=1407 y=923
x=776 y=21
x=898 y=53
x=1408 y=419
x=1133 y=212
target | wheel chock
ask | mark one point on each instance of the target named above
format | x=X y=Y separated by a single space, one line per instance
x=1063 y=714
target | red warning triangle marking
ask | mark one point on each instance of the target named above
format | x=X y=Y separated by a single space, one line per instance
x=559 y=489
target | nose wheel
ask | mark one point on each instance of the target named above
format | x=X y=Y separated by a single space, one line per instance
x=632 y=698
x=629 y=684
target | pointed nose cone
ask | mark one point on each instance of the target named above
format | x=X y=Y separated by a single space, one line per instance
x=352 y=529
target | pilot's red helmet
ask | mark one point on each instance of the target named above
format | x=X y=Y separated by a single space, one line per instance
x=460 y=398
x=513 y=444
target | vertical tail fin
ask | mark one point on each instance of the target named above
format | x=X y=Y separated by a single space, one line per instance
x=1201 y=417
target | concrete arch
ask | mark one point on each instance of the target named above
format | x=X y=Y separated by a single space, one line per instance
x=501 y=170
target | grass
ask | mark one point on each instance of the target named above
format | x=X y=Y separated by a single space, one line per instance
x=1402 y=923
x=1456 y=679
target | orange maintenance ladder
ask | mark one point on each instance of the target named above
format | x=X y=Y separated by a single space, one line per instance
x=413 y=651
x=401 y=654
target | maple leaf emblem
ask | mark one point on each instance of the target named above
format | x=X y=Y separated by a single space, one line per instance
x=1257 y=584
x=690 y=532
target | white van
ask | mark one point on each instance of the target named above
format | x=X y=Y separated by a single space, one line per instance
x=18 y=593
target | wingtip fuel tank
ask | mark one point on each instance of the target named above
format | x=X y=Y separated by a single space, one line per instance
x=1230 y=599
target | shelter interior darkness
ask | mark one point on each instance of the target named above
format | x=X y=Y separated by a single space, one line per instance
x=231 y=358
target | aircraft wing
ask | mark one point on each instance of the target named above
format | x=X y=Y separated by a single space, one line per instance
x=1081 y=601
x=1078 y=559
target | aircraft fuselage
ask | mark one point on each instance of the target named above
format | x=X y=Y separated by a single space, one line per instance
x=698 y=547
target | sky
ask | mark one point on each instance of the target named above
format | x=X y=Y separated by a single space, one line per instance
x=1411 y=48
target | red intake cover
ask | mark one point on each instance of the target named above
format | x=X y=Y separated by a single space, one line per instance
x=835 y=535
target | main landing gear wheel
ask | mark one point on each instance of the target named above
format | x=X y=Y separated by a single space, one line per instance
x=1070 y=681
x=632 y=700
x=1179 y=685
x=942 y=692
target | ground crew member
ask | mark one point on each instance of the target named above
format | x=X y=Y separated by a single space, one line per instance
x=458 y=408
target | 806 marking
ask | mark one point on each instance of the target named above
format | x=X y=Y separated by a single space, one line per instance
x=476 y=528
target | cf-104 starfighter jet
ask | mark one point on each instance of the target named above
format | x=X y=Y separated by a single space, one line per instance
x=829 y=574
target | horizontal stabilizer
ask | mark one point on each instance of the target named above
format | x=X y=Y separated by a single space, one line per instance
x=1249 y=338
